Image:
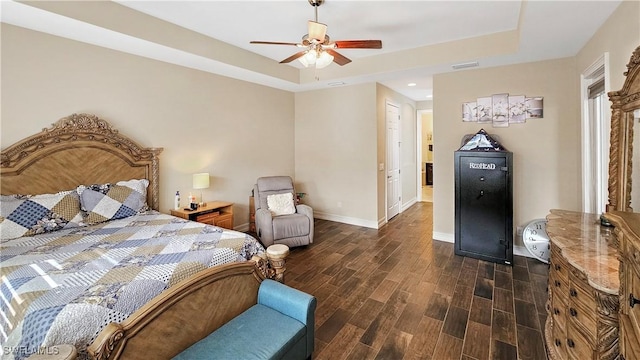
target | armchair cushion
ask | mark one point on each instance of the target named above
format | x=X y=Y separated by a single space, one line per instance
x=293 y=225
x=281 y=204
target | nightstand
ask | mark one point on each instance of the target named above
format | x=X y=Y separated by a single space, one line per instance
x=218 y=213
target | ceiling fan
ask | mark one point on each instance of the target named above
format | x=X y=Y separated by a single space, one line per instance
x=319 y=50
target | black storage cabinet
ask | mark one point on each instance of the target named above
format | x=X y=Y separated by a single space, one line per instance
x=484 y=205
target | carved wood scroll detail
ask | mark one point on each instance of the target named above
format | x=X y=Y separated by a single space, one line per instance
x=608 y=326
x=83 y=130
x=105 y=350
x=623 y=102
x=262 y=265
x=76 y=127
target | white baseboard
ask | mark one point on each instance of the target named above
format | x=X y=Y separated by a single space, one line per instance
x=242 y=227
x=346 y=219
x=407 y=205
x=447 y=237
x=522 y=251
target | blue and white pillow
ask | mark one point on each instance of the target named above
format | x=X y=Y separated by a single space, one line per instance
x=113 y=201
x=26 y=215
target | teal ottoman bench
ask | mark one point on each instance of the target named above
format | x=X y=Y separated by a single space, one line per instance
x=279 y=326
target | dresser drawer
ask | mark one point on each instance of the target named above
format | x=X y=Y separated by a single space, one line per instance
x=224 y=221
x=559 y=264
x=629 y=342
x=632 y=294
x=559 y=337
x=582 y=304
x=578 y=346
x=208 y=218
x=559 y=312
x=558 y=286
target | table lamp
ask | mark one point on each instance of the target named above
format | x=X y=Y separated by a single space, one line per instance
x=201 y=181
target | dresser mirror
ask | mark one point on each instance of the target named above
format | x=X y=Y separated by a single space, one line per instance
x=625 y=111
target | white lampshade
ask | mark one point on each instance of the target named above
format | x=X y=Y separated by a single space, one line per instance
x=324 y=60
x=201 y=181
x=313 y=58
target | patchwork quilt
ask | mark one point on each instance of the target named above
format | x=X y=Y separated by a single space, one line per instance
x=65 y=286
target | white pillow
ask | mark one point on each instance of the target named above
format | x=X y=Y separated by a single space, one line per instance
x=281 y=204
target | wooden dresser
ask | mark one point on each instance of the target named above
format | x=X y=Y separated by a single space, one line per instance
x=582 y=321
x=627 y=230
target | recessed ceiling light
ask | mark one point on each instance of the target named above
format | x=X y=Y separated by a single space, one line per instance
x=429 y=96
x=411 y=84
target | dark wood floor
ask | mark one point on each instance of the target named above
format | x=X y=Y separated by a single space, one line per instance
x=395 y=293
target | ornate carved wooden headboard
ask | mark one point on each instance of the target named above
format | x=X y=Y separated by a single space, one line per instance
x=79 y=149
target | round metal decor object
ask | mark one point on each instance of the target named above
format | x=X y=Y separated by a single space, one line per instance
x=536 y=239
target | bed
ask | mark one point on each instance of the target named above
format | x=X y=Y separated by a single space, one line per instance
x=75 y=271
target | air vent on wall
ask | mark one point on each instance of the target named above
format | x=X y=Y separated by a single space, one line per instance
x=465 y=65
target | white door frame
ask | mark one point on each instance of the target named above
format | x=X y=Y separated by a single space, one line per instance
x=386 y=182
x=419 y=150
x=419 y=154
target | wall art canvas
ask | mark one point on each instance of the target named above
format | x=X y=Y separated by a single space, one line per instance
x=517 y=109
x=485 y=115
x=469 y=111
x=503 y=109
x=500 y=105
x=534 y=107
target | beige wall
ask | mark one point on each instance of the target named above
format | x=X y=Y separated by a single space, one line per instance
x=235 y=130
x=335 y=152
x=546 y=153
x=619 y=36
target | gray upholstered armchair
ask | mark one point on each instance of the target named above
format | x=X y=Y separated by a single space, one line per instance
x=294 y=227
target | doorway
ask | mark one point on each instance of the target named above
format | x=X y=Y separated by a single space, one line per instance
x=425 y=155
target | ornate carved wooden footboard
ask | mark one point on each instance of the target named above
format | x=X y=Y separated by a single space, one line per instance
x=184 y=314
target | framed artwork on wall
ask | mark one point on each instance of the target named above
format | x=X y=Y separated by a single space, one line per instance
x=534 y=107
x=517 y=109
x=469 y=111
x=503 y=109
x=485 y=113
x=500 y=105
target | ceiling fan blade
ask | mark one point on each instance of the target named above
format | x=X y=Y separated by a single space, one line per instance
x=293 y=57
x=358 y=44
x=338 y=58
x=273 y=43
x=317 y=30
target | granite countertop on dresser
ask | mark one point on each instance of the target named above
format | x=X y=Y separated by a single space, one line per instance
x=587 y=246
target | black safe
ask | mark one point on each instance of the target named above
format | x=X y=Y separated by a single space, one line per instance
x=484 y=200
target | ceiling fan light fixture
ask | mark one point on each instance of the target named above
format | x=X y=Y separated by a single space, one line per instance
x=324 y=60
x=320 y=59
x=309 y=58
x=319 y=47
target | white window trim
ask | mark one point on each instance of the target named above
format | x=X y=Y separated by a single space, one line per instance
x=587 y=160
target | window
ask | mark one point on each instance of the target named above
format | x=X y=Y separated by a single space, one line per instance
x=595 y=137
